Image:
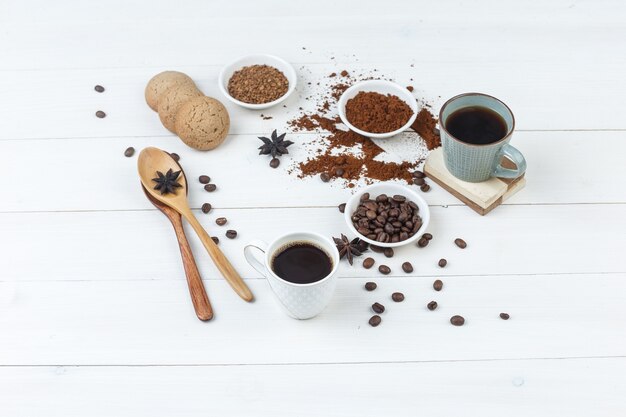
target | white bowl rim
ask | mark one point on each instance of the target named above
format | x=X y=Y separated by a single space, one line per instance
x=341 y=104
x=260 y=106
x=411 y=195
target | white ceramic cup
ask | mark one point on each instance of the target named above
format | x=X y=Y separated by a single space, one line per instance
x=300 y=301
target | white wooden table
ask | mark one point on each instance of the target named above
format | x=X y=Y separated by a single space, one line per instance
x=95 y=317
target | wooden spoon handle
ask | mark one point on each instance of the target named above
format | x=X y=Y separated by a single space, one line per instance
x=220 y=260
x=199 y=298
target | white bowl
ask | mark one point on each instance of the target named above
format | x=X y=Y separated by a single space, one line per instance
x=390 y=189
x=381 y=87
x=261 y=59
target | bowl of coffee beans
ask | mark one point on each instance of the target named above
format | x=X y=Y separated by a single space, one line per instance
x=377 y=108
x=257 y=81
x=387 y=215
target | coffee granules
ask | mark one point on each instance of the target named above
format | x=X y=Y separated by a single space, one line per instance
x=258 y=84
x=425 y=126
x=377 y=113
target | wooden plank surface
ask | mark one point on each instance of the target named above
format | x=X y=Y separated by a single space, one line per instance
x=93 y=325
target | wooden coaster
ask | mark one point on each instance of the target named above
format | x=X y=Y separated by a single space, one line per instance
x=482 y=197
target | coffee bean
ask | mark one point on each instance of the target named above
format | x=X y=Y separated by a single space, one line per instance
x=221 y=221
x=432 y=305
x=427 y=236
x=460 y=243
x=274 y=162
x=504 y=316
x=342 y=207
x=339 y=172
x=388 y=252
x=378 y=308
x=398 y=297
x=407 y=267
x=457 y=320
x=438 y=285
x=365 y=197
x=100 y=114
x=370 y=286
x=418 y=174
x=419 y=181
x=425 y=188
x=206 y=207
x=129 y=152
x=375 y=321
x=324 y=177
x=204 y=179
x=423 y=242
x=231 y=234
x=399 y=198
x=442 y=263
x=377 y=249
x=210 y=187
x=175 y=156
x=368 y=263
x=384 y=269
x=99 y=88
x=215 y=239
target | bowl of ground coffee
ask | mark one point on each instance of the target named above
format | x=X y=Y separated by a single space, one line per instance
x=377 y=108
x=387 y=215
x=257 y=81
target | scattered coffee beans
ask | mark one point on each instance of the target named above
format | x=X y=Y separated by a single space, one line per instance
x=339 y=172
x=99 y=88
x=370 y=286
x=221 y=221
x=504 y=316
x=442 y=263
x=418 y=174
x=425 y=188
x=231 y=234
x=324 y=177
x=384 y=269
x=175 y=156
x=215 y=239
x=129 y=152
x=457 y=320
x=419 y=181
x=398 y=297
x=407 y=267
x=210 y=187
x=377 y=249
x=460 y=243
x=378 y=308
x=100 y=114
x=423 y=242
x=342 y=207
x=432 y=305
x=204 y=179
x=368 y=263
x=386 y=219
x=427 y=236
x=275 y=162
x=438 y=285
x=206 y=207
x=388 y=252
x=375 y=321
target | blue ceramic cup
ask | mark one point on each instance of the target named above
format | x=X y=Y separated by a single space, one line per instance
x=477 y=163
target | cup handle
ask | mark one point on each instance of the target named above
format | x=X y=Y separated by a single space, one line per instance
x=515 y=156
x=253 y=258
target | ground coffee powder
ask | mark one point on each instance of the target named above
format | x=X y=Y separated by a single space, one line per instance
x=377 y=113
x=257 y=84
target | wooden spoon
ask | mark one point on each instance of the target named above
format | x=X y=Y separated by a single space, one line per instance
x=152 y=160
x=200 y=300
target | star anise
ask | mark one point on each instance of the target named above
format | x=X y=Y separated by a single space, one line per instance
x=275 y=145
x=167 y=183
x=350 y=248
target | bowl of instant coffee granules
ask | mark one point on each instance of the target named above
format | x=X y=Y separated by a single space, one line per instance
x=257 y=81
x=377 y=108
x=387 y=215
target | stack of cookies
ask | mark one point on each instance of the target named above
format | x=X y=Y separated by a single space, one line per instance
x=201 y=122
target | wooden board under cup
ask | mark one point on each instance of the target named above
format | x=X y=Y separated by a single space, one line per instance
x=482 y=197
